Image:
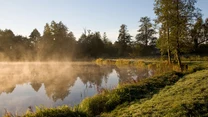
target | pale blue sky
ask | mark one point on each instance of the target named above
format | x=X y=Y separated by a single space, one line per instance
x=22 y=16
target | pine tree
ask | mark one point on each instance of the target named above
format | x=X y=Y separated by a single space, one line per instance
x=124 y=40
x=145 y=32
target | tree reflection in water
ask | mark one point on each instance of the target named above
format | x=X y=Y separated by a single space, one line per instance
x=58 y=80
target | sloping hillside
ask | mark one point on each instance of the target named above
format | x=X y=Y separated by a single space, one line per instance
x=188 y=97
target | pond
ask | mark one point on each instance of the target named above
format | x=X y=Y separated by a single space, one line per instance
x=51 y=84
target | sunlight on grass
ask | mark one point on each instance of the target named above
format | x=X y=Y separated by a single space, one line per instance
x=188 y=97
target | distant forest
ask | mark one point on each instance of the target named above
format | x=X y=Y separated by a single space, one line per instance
x=178 y=29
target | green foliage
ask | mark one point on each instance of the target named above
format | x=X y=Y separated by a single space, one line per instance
x=14 y=47
x=107 y=101
x=61 y=111
x=109 y=49
x=35 y=35
x=57 y=42
x=124 y=41
x=91 y=44
x=174 y=16
x=196 y=33
x=199 y=34
x=94 y=105
x=146 y=32
x=187 y=97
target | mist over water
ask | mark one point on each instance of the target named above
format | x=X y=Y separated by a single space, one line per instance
x=51 y=84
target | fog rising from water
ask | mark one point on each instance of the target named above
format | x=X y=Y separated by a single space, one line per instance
x=52 y=84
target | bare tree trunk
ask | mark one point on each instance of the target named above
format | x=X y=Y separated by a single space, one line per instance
x=146 y=36
x=169 y=52
x=169 y=56
x=177 y=39
x=196 y=44
x=168 y=41
x=178 y=58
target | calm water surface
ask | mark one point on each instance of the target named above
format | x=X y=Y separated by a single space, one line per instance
x=54 y=84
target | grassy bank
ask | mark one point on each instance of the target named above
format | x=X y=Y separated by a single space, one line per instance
x=62 y=111
x=188 y=97
x=153 y=64
x=109 y=100
x=141 y=96
x=134 y=62
x=141 y=62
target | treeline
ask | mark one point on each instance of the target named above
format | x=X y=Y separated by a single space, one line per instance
x=178 y=29
x=58 y=43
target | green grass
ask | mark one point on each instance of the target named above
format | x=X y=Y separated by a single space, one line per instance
x=188 y=97
x=61 y=111
x=109 y=100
